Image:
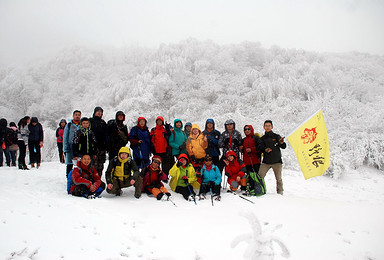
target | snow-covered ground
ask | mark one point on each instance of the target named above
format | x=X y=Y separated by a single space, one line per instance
x=320 y=218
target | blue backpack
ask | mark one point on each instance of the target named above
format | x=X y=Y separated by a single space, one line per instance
x=69 y=180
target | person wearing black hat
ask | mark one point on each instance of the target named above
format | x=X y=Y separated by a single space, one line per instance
x=117 y=134
x=99 y=128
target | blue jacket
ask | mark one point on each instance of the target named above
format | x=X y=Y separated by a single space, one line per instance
x=213 y=139
x=212 y=175
x=177 y=139
x=69 y=133
x=137 y=134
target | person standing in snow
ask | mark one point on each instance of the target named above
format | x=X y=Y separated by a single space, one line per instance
x=230 y=140
x=35 y=142
x=69 y=132
x=159 y=138
x=178 y=140
x=251 y=149
x=152 y=177
x=84 y=140
x=271 y=144
x=213 y=137
x=85 y=180
x=183 y=178
x=13 y=147
x=22 y=141
x=59 y=139
x=99 y=129
x=122 y=172
x=117 y=134
x=140 y=139
x=5 y=134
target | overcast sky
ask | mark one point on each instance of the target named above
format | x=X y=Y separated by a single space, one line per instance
x=37 y=28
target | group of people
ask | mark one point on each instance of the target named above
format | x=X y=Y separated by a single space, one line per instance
x=188 y=158
x=28 y=134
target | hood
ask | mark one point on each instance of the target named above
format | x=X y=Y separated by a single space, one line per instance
x=183 y=155
x=125 y=150
x=3 y=123
x=97 y=109
x=177 y=120
x=62 y=121
x=142 y=118
x=34 y=120
x=230 y=122
x=187 y=124
x=119 y=113
x=252 y=131
x=230 y=152
x=210 y=120
x=195 y=126
x=161 y=118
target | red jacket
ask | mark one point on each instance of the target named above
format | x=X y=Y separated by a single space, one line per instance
x=158 y=137
x=152 y=178
x=235 y=168
x=87 y=176
x=249 y=142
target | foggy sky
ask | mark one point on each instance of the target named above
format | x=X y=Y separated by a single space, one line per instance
x=36 y=28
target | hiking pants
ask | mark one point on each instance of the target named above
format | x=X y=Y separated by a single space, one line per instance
x=99 y=161
x=277 y=168
x=119 y=184
x=185 y=191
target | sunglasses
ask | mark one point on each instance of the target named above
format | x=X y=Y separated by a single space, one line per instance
x=247 y=129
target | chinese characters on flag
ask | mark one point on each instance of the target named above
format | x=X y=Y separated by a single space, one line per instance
x=310 y=143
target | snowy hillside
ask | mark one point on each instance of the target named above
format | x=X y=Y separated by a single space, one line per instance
x=321 y=218
x=195 y=80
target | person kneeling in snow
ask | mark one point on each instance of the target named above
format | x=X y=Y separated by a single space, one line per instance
x=211 y=179
x=85 y=180
x=122 y=172
x=183 y=178
x=152 y=177
x=235 y=170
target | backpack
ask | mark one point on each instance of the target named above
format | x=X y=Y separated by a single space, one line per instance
x=257 y=184
x=11 y=137
x=69 y=180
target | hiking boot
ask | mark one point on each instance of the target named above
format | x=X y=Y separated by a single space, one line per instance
x=243 y=188
x=119 y=192
x=202 y=197
x=32 y=165
x=21 y=167
x=138 y=196
x=159 y=196
x=38 y=166
x=91 y=196
x=191 y=198
x=25 y=167
x=280 y=192
x=217 y=197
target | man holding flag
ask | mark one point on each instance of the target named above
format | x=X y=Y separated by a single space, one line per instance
x=271 y=145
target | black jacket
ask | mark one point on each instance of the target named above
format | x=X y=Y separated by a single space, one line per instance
x=36 y=133
x=271 y=140
x=99 y=128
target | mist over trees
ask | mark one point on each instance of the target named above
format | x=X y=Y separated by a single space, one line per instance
x=195 y=80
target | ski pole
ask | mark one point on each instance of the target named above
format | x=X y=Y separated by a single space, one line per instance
x=210 y=188
x=194 y=200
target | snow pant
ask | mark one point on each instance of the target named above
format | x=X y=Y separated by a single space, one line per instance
x=221 y=163
x=22 y=154
x=167 y=162
x=34 y=152
x=204 y=188
x=234 y=185
x=99 y=161
x=83 y=191
x=61 y=153
x=7 y=156
x=13 y=157
x=119 y=184
x=185 y=191
x=156 y=191
x=277 y=168
x=68 y=161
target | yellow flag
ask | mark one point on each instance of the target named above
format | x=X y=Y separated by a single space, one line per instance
x=310 y=143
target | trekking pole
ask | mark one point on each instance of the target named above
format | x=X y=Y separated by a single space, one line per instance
x=169 y=198
x=210 y=188
x=194 y=199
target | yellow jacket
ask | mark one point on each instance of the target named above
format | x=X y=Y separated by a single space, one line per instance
x=190 y=173
x=197 y=146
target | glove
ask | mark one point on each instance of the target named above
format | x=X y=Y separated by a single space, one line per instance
x=226 y=141
x=185 y=179
x=178 y=164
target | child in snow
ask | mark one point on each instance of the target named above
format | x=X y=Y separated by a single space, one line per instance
x=122 y=172
x=84 y=140
x=85 y=180
x=271 y=145
x=183 y=178
x=152 y=177
x=211 y=179
x=235 y=170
